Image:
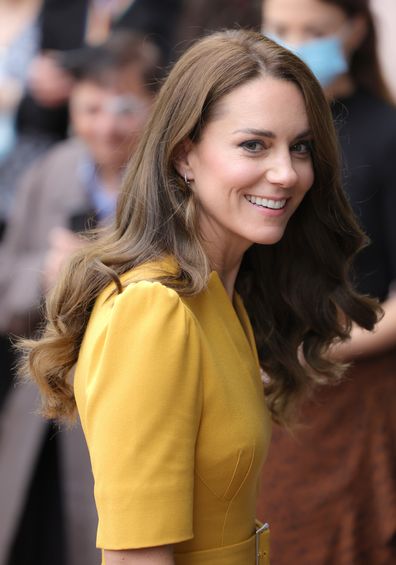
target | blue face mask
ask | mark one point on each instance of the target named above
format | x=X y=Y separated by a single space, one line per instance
x=324 y=56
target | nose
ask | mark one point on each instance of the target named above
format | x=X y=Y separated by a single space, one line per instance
x=295 y=39
x=108 y=124
x=280 y=170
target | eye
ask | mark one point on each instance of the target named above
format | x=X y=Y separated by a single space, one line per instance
x=90 y=110
x=280 y=31
x=253 y=146
x=315 y=33
x=302 y=148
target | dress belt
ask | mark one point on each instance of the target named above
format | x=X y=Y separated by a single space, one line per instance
x=253 y=551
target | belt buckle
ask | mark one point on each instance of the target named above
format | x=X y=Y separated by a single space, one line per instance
x=259 y=532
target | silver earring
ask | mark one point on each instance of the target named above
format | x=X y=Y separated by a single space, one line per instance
x=186 y=180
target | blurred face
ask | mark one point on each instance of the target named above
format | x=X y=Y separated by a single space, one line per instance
x=251 y=168
x=109 y=119
x=299 y=21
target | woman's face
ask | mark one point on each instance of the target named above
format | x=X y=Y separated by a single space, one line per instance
x=299 y=21
x=296 y=22
x=252 y=166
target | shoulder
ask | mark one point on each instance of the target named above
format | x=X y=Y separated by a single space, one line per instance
x=51 y=187
x=63 y=153
x=141 y=284
x=57 y=164
x=144 y=305
x=149 y=295
x=378 y=115
x=145 y=327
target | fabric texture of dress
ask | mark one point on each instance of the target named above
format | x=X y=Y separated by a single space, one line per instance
x=171 y=401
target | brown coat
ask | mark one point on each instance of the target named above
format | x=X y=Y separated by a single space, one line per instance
x=49 y=193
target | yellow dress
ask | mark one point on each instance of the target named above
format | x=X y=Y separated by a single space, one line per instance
x=171 y=402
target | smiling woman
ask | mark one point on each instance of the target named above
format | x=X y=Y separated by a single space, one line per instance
x=231 y=213
x=250 y=180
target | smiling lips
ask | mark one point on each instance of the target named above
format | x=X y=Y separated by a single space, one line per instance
x=266 y=202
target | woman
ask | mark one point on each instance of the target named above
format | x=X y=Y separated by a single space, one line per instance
x=346 y=513
x=232 y=197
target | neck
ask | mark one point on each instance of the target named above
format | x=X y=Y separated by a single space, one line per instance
x=227 y=266
x=110 y=177
x=342 y=87
x=224 y=250
x=228 y=278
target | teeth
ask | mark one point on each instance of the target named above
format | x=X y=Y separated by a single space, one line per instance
x=266 y=203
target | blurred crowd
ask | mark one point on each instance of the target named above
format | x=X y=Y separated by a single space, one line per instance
x=77 y=81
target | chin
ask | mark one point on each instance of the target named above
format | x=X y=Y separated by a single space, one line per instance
x=108 y=160
x=270 y=238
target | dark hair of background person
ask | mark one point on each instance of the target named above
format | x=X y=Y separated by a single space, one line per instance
x=202 y=17
x=365 y=67
x=294 y=290
x=63 y=24
x=122 y=49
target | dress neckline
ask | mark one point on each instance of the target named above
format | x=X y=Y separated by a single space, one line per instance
x=234 y=313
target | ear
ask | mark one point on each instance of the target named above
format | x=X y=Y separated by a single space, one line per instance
x=357 y=34
x=181 y=161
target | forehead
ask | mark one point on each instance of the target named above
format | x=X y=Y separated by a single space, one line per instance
x=89 y=91
x=263 y=103
x=123 y=80
x=301 y=13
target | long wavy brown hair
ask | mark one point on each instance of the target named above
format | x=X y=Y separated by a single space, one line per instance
x=297 y=292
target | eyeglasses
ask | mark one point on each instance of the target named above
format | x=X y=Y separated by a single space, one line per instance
x=125 y=105
x=119 y=106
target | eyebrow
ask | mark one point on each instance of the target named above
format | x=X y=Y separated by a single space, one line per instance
x=270 y=134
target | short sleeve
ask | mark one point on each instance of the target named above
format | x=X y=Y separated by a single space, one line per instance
x=139 y=395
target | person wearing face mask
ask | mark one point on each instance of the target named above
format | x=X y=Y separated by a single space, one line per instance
x=339 y=470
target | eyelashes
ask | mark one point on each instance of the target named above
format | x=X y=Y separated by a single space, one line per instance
x=254 y=146
x=303 y=147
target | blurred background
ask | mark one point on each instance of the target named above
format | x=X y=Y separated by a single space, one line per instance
x=77 y=81
x=385 y=12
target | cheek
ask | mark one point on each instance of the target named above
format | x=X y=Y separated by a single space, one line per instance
x=88 y=133
x=129 y=129
x=306 y=176
x=131 y=123
x=224 y=169
x=207 y=164
x=82 y=126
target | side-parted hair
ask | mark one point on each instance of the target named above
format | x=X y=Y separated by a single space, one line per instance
x=297 y=292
